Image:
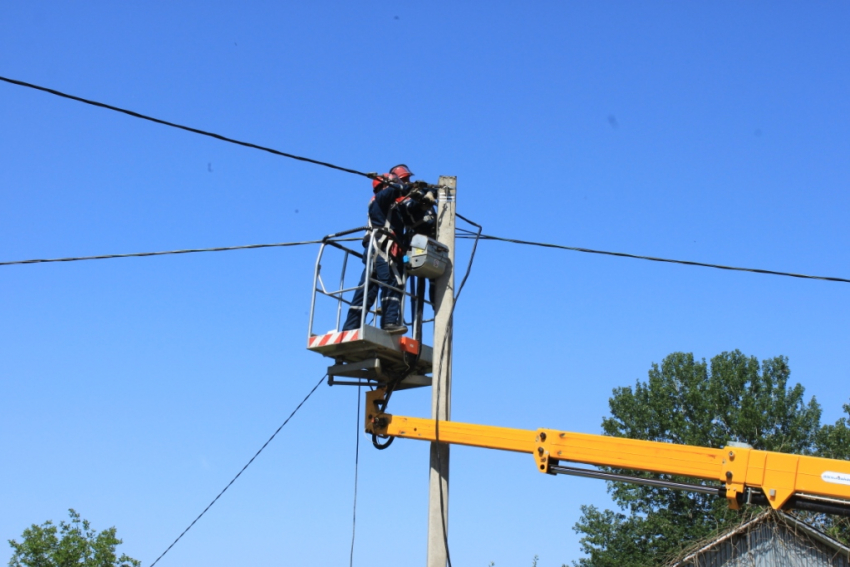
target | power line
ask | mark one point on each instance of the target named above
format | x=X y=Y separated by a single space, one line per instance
x=167 y=252
x=298 y=407
x=464 y=235
x=356 y=172
x=469 y=235
x=357 y=427
x=181 y=127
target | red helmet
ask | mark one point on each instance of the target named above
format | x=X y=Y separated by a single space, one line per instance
x=381 y=181
x=402 y=171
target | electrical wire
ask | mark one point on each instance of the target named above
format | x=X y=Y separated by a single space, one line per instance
x=241 y=471
x=187 y=251
x=464 y=234
x=470 y=235
x=356 y=469
x=364 y=174
x=181 y=127
x=471 y=255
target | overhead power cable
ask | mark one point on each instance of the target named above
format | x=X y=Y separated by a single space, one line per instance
x=357 y=434
x=181 y=127
x=356 y=172
x=470 y=235
x=257 y=454
x=463 y=234
x=167 y=252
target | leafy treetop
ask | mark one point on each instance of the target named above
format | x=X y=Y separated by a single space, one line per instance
x=684 y=401
x=73 y=544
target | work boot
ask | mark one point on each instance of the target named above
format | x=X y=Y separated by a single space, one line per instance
x=394 y=329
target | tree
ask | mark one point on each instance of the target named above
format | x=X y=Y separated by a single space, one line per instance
x=734 y=398
x=70 y=544
x=833 y=442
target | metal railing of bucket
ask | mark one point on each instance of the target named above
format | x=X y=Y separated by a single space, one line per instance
x=338 y=241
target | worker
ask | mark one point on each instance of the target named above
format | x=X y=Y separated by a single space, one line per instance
x=417 y=208
x=419 y=215
x=387 y=228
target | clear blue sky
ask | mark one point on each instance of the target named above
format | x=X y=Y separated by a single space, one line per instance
x=134 y=389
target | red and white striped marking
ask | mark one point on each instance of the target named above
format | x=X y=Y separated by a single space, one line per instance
x=333 y=338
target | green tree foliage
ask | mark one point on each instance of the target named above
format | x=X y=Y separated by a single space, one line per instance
x=732 y=398
x=833 y=441
x=73 y=544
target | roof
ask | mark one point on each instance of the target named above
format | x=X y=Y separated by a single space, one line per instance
x=797 y=538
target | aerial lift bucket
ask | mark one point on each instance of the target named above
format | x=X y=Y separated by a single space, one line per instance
x=368 y=354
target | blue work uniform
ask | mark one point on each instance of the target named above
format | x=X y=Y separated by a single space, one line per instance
x=380 y=206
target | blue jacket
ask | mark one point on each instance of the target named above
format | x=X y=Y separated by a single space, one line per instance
x=406 y=214
x=380 y=206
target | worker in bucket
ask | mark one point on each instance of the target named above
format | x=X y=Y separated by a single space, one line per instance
x=419 y=214
x=416 y=206
x=387 y=227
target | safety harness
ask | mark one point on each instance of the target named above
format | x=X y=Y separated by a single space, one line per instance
x=386 y=242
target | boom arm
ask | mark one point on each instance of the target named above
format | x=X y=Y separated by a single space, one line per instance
x=746 y=475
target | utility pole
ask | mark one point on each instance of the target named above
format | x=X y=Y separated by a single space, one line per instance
x=441 y=388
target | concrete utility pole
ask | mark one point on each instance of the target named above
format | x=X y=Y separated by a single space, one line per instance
x=441 y=390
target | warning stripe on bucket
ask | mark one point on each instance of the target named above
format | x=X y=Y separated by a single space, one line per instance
x=333 y=338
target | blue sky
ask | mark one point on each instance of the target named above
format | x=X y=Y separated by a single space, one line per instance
x=134 y=389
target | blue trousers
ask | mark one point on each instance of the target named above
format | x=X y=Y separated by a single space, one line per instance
x=390 y=298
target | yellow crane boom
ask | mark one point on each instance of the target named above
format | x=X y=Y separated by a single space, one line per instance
x=744 y=474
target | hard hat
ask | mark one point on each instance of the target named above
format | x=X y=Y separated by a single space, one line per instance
x=402 y=171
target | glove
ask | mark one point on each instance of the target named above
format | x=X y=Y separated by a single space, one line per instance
x=428 y=199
